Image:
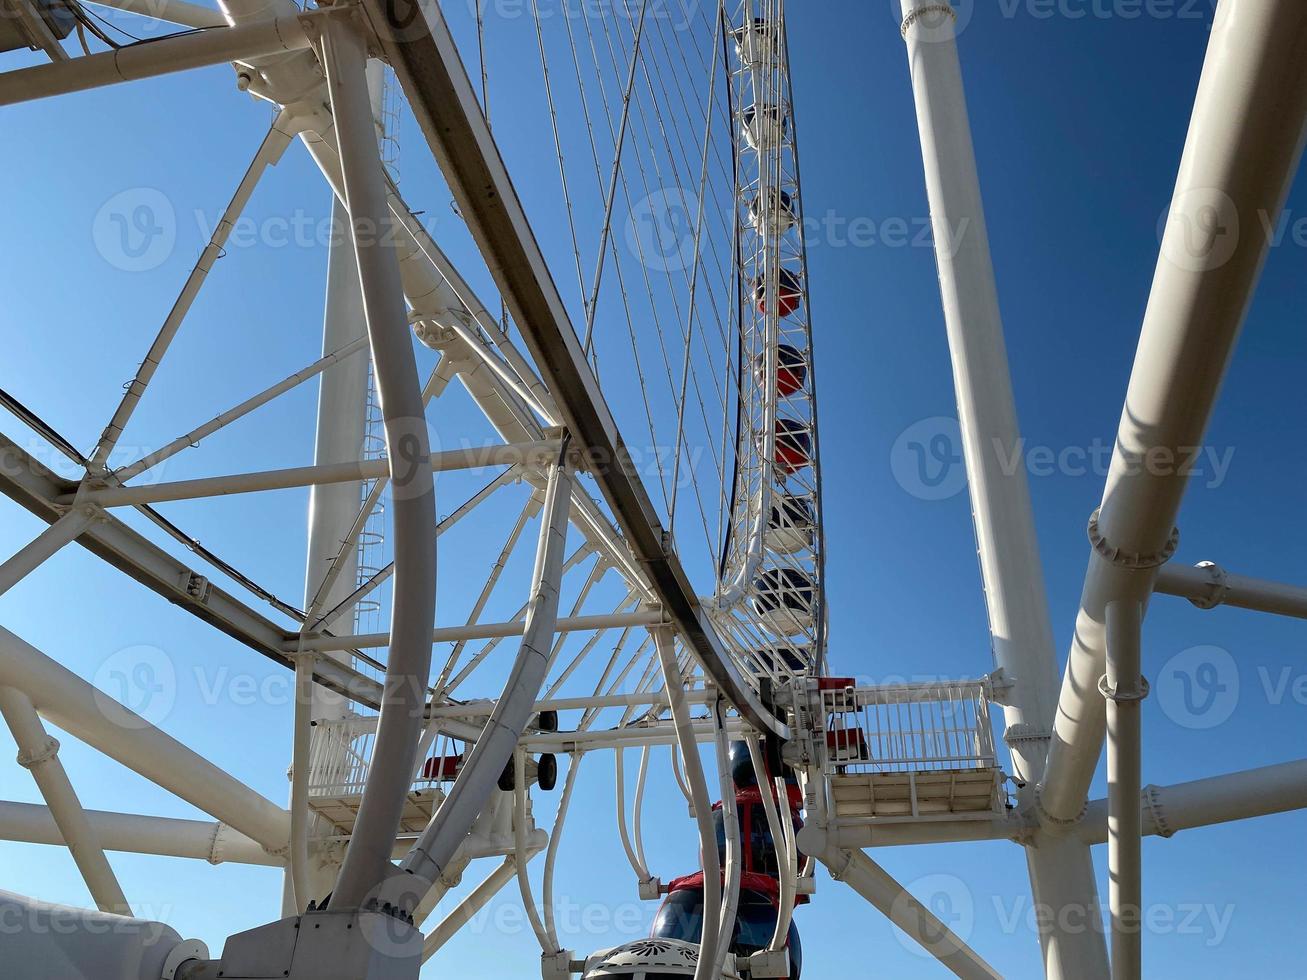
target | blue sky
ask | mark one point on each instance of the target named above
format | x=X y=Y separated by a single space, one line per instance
x=1079 y=124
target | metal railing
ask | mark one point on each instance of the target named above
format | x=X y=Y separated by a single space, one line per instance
x=340 y=756
x=907 y=728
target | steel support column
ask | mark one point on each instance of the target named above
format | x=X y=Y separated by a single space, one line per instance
x=413 y=496
x=438 y=843
x=1061 y=871
x=39 y=753
x=1243 y=149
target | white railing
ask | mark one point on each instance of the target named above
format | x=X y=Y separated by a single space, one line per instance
x=340 y=756
x=906 y=728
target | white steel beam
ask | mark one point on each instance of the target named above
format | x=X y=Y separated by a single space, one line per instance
x=476 y=457
x=1245 y=142
x=1124 y=689
x=33 y=554
x=1166 y=810
x=413 y=496
x=162 y=56
x=475 y=901
x=427 y=64
x=1021 y=634
x=199 y=840
x=878 y=887
x=489 y=631
x=92 y=716
x=39 y=754
x=436 y=847
x=1208 y=585
x=267 y=155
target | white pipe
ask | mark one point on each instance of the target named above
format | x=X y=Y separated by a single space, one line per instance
x=637 y=810
x=1021 y=634
x=632 y=857
x=1123 y=688
x=300 y=816
x=520 y=840
x=731 y=825
x=224 y=419
x=303 y=476
x=1205 y=802
x=871 y=881
x=1208 y=585
x=161 y=56
x=664 y=642
x=413 y=509
x=199 y=840
x=88 y=714
x=33 y=554
x=1244 y=145
x=490 y=631
x=39 y=754
x=470 y=906
x=780 y=840
x=551 y=856
x=679 y=776
x=476 y=781
x=267 y=155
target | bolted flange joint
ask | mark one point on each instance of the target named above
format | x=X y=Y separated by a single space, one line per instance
x=1128 y=559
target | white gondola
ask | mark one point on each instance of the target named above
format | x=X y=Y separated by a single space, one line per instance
x=756 y=41
x=766 y=127
x=791 y=527
x=783 y=599
x=773 y=214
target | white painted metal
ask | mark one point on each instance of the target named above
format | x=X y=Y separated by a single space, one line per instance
x=301 y=476
x=33 y=554
x=39 y=754
x=92 y=716
x=1020 y=632
x=674 y=685
x=487 y=631
x=1123 y=688
x=873 y=883
x=495 y=748
x=1208 y=585
x=135 y=833
x=1244 y=145
x=1206 y=802
x=164 y=56
x=412 y=489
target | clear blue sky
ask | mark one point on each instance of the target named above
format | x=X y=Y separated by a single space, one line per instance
x=1079 y=124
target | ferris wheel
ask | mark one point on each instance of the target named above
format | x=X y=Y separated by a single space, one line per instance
x=420 y=733
x=556 y=443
